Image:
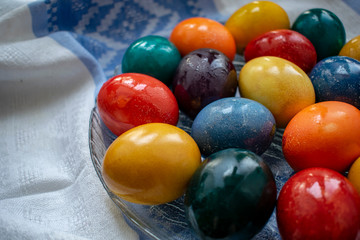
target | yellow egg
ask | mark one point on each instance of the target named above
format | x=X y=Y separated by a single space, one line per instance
x=151 y=164
x=279 y=85
x=256 y=18
x=354 y=174
x=352 y=48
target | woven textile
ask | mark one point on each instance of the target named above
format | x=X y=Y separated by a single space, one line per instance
x=54 y=57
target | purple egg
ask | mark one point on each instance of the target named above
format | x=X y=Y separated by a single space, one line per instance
x=203 y=76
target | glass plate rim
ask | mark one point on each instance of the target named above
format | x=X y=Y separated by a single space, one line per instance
x=134 y=220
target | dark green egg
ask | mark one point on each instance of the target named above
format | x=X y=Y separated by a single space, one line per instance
x=231 y=196
x=324 y=29
x=152 y=55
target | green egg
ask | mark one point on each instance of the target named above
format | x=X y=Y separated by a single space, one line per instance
x=153 y=55
x=324 y=29
x=231 y=196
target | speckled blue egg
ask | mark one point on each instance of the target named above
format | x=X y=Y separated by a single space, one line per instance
x=337 y=79
x=233 y=123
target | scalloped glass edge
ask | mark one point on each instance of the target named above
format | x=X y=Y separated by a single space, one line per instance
x=168 y=220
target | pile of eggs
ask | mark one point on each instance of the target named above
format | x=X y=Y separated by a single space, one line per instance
x=304 y=79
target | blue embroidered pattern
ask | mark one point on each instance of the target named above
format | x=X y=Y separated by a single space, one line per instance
x=99 y=32
x=106 y=28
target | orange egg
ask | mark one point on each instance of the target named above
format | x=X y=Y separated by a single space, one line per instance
x=198 y=32
x=325 y=134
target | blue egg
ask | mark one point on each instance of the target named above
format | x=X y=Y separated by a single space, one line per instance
x=337 y=79
x=233 y=123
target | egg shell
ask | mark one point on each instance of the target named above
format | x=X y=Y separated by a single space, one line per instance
x=354 y=174
x=337 y=78
x=254 y=19
x=203 y=76
x=318 y=203
x=278 y=84
x=324 y=134
x=233 y=123
x=231 y=196
x=283 y=43
x=131 y=99
x=200 y=32
x=151 y=164
x=152 y=55
x=352 y=48
x=324 y=29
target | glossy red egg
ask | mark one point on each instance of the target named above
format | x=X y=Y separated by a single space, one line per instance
x=132 y=99
x=286 y=44
x=318 y=203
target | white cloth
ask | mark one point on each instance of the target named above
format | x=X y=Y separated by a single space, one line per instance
x=49 y=76
x=48 y=187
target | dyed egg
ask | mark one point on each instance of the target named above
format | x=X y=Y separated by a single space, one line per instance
x=254 y=19
x=324 y=29
x=231 y=196
x=131 y=99
x=233 y=123
x=325 y=134
x=198 y=32
x=318 y=203
x=286 y=44
x=337 y=79
x=151 y=164
x=278 y=84
x=352 y=48
x=203 y=76
x=354 y=174
x=152 y=55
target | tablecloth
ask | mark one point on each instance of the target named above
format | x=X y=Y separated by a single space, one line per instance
x=54 y=57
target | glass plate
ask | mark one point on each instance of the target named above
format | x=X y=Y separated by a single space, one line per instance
x=167 y=221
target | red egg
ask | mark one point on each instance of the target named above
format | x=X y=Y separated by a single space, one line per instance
x=131 y=99
x=286 y=44
x=318 y=203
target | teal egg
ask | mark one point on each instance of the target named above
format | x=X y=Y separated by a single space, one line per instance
x=231 y=195
x=324 y=29
x=153 y=55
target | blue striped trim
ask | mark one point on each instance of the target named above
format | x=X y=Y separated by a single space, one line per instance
x=66 y=39
x=354 y=4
